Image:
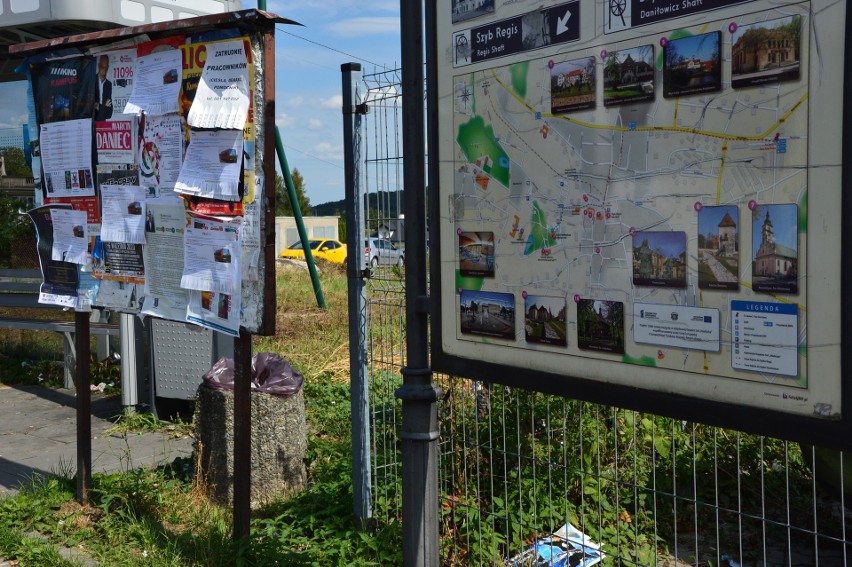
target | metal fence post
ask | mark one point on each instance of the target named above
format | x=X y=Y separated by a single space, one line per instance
x=355 y=263
x=418 y=393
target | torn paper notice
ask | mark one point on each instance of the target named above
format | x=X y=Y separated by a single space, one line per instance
x=87 y=291
x=213 y=310
x=250 y=237
x=212 y=165
x=222 y=99
x=123 y=216
x=120 y=68
x=211 y=261
x=66 y=154
x=160 y=151
x=115 y=295
x=60 y=279
x=70 y=236
x=156 y=84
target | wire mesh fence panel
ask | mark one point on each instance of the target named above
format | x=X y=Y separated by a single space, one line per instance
x=527 y=478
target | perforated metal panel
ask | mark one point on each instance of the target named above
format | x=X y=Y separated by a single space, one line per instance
x=181 y=354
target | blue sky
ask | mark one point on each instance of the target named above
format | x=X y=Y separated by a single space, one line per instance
x=308 y=80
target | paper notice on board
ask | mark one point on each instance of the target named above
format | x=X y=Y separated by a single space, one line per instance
x=116 y=141
x=250 y=234
x=70 y=236
x=60 y=279
x=222 y=98
x=211 y=261
x=123 y=216
x=212 y=165
x=66 y=154
x=160 y=151
x=217 y=311
x=156 y=84
x=164 y=260
x=116 y=295
x=119 y=261
x=122 y=64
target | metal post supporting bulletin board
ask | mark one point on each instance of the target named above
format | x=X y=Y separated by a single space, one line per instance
x=641 y=204
x=193 y=138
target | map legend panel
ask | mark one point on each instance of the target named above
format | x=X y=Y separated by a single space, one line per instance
x=765 y=337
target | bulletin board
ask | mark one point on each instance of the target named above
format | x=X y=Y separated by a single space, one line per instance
x=641 y=204
x=152 y=150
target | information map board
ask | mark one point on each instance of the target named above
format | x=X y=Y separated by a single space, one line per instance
x=639 y=203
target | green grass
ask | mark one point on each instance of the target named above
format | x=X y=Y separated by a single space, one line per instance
x=160 y=518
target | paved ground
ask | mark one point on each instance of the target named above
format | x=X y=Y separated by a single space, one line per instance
x=38 y=435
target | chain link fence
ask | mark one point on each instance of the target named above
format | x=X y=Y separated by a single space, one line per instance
x=517 y=467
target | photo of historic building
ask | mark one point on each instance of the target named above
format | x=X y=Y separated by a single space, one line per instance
x=600 y=325
x=718 y=247
x=659 y=258
x=629 y=75
x=692 y=65
x=544 y=320
x=766 y=52
x=572 y=85
x=487 y=313
x=775 y=238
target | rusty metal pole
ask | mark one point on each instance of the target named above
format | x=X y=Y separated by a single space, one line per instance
x=84 y=406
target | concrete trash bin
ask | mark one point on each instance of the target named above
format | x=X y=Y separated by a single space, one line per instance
x=279 y=438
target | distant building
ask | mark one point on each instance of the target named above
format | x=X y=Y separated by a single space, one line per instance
x=286 y=232
x=12 y=137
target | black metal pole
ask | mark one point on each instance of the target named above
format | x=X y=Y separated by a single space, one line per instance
x=84 y=406
x=418 y=394
x=242 y=435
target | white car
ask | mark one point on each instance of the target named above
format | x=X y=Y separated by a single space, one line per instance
x=382 y=252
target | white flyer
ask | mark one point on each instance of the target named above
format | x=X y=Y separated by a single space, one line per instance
x=222 y=99
x=123 y=214
x=211 y=260
x=212 y=165
x=122 y=65
x=70 y=236
x=156 y=83
x=213 y=310
x=163 y=254
x=66 y=155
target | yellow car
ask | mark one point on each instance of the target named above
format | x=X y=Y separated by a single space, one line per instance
x=327 y=249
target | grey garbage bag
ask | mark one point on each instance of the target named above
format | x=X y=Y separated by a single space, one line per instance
x=270 y=373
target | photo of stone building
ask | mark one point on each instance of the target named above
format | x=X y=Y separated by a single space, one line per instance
x=766 y=52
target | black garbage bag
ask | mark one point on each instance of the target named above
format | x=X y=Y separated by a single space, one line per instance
x=270 y=373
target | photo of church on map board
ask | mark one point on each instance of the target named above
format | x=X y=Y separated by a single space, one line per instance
x=775 y=246
x=692 y=65
x=629 y=75
x=476 y=254
x=719 y=247
x=544 y=320
x=659 y=258
x=766 y=52
x=491 y=314
x=600 y=325
x=572 y=85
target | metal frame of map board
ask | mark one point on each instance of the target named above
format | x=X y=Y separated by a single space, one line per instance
x=809 y=410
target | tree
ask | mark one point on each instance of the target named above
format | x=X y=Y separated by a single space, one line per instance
x=283 y=207
x=16 y=163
